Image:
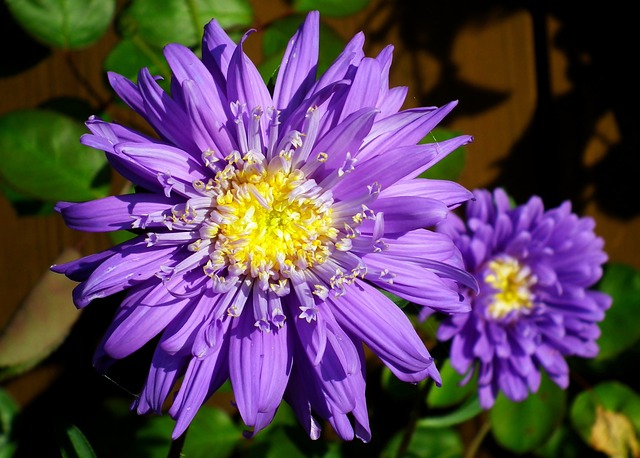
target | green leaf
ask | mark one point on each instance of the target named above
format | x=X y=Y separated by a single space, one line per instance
x=619 y=329
x=67 y=24
x=9 y=411
x=73 y=444
x=129 y=55
x=468 y=410
x=41 y=322
x=612 y=396
x=41 y=158
x=277 y=36
x=212 y=434
x=398 y=389
x=450 y=167
x=563 y=443
x=180 y=21
x=427 y=443
x=331 y=8
x=537 y=418
x=153 y=438
x=451 y=392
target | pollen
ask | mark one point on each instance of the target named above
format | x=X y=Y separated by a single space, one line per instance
x=268 y=221
x=512 y=283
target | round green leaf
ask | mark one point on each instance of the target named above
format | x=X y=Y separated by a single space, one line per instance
x=131 y=54
x=179 y=21
x=612 y=396
x=451 y=392
x=334 y=8
x=537 y=418
x=212 y=434
x=41 y=158
x=619 y=329
x=67 y=24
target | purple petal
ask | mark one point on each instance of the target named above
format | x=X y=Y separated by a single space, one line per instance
x=114 y=212
x=202 y=378
x=297 y=73
x=383 y=327
x=260 y=364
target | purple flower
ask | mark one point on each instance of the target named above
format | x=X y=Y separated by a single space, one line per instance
x=534 y=308
x=267 y=225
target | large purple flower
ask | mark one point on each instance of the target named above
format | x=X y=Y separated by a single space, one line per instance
x=534 y=269
x=267 y=224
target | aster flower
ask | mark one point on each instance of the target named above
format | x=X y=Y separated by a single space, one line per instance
x=267 y=225
x=534 y=269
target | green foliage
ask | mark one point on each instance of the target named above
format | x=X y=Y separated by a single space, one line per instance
x=9 y=411
x=41 y=157
x=66 y=24
x=330 y=8
x=212 y=434
x=620 y=329
x=537 y=418
x=452 y=392
x=73 y=444
x=156 y=23
x=426 y=442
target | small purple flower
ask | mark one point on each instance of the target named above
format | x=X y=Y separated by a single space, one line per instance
x=267 y=223
x=534 y=308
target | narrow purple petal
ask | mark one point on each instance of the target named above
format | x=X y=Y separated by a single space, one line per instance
x=383 y=327
x=113 y=213
x=260 y=364
x=297 y=73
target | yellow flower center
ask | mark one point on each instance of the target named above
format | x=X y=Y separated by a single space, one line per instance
x=267 y=222
x=512 y=283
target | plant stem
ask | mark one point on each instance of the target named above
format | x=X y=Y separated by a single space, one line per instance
x=474 y=446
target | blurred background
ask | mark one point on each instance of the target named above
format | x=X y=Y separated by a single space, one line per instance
x=546 y=89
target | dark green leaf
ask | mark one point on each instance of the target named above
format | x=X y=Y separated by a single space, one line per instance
x=331 y=8
x=179 y=21
x=620 y=328
x=427 y=443
x=73 y=444
x=131 y=54
x=26 y=341
x=153 y=438
x=563 y=443
x=451 y=392
x=451 y=166
x=9 y=410
x=468 y=410
x=212 y=434
x=538 y=416
x=67 y=24
x=41 y=158
x=277 y=36
x=396 y=388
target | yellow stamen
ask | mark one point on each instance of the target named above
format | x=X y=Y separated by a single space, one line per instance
x=512 y=283
x=263 y=226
